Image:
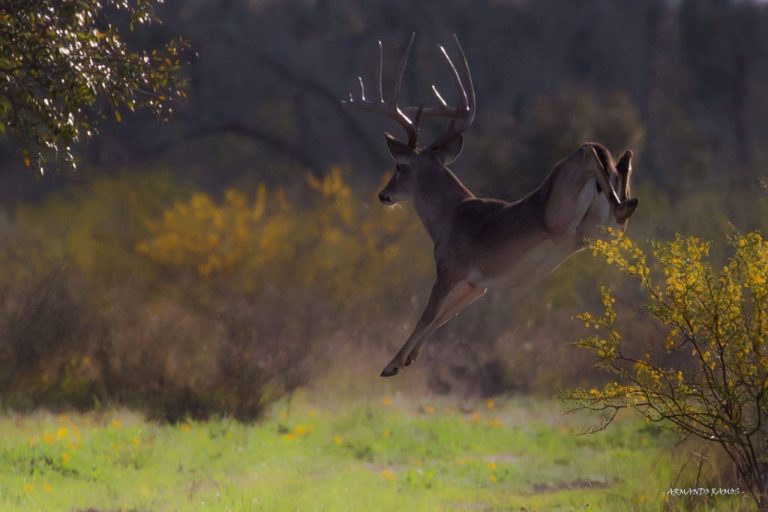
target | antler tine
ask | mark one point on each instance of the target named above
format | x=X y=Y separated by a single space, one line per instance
x=472 y=99
x=389 y=109
x=464 y=113
x=401 y=69
x=456 y=78
x=439 y=98
x=362 y=88
x=379 y=72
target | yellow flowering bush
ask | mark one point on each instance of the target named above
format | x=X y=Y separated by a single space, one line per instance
x=148 y=292
x=201 y=235
x=206 y=236
x=269 y=273
x=707 y=376
x=326 y=239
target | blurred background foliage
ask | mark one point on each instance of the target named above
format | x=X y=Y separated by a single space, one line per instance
x=215 y=262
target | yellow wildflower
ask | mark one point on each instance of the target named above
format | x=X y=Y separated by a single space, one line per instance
x=388 y=474
x=297 y=432
x=302 y=429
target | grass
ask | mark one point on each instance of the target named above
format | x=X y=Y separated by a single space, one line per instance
x=384 y=454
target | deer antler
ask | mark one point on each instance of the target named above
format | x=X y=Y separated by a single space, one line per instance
x=464 y=113
x=389 y=109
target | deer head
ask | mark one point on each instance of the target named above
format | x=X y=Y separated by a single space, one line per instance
x=414 y=163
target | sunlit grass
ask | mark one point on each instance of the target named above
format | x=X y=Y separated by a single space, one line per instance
x=384 y=454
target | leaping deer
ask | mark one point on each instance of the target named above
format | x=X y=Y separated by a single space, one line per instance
x=481 y=243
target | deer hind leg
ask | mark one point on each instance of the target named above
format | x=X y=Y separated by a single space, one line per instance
x=622 y=207
x=571 y=199
x=627 y=206
x=624 y=168
x=443 y=292
x=459 y=301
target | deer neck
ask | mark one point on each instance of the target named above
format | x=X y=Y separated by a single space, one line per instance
x=438 y=193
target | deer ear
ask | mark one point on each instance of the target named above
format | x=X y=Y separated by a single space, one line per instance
x=399 y=152
x=451 y=150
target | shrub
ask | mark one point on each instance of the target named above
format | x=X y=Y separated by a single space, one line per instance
x=145 y=292
x=715 y=320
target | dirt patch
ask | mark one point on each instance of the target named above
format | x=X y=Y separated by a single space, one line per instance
x=505 y=458
x=471 y=506
x=110 y=510
x=579 y=483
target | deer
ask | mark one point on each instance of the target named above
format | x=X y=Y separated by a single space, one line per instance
x=482 y=243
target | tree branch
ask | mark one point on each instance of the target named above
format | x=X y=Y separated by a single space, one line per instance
x=354 y=128
x=236 y=127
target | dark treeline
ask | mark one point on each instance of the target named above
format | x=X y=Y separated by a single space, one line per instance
x=682 y=83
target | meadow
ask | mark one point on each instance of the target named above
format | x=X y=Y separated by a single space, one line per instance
x=385 y=453
x=194 y=313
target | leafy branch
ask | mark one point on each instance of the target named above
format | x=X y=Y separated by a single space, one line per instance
x=65 y=68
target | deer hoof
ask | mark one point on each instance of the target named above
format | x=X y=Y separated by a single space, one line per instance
x=391 y=369
x=625 y=209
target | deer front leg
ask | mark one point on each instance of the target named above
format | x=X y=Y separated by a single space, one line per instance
x=460 y=300
x=442 y=291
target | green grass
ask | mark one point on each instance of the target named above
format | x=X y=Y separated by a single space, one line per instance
x=385 y=454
